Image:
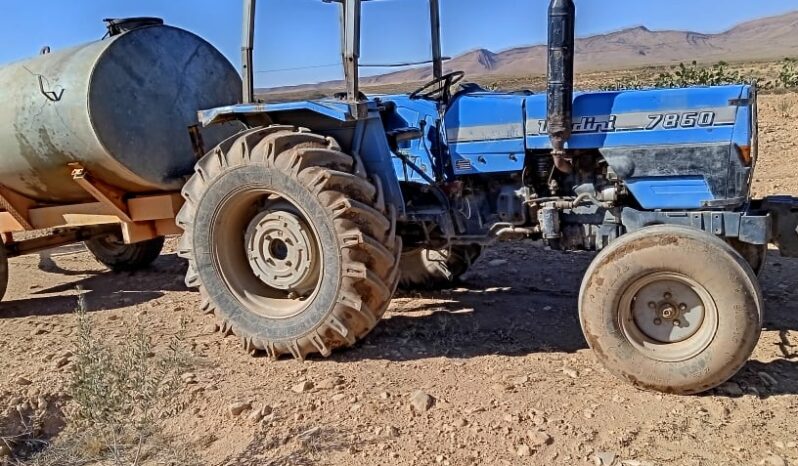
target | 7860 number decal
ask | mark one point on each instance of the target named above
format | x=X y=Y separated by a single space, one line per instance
x=681 y=120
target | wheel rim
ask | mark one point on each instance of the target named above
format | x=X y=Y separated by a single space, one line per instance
x=669 y=316
x=282 y=252
x=267 y=253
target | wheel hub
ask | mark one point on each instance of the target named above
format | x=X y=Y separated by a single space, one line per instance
x=668 y=311
x=282 y=253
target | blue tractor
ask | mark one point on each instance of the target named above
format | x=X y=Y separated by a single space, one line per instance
x=299 y=229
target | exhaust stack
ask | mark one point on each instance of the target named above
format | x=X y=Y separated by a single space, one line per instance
x=562 y=31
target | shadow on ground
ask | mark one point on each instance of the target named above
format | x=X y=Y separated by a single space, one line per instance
x=101 y=290
x=525 y=305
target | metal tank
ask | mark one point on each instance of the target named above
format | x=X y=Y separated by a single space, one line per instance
x=119 y=106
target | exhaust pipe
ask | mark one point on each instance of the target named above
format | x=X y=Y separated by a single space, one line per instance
x=562 y=32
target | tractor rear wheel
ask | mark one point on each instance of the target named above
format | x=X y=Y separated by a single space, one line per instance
x=671 y=309
x=289 y=242
x=112 y=252
x=436 y=269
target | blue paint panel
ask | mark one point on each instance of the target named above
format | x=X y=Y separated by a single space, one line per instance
x=478 y=109
x=488 y=157
x=488 y=131
x=649 y=100
x=670 y=192
x=410 y=114
x=640 y=107
x=639 y=138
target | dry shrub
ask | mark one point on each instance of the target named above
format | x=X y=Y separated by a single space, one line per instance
x=120 y=395
x=784 y=107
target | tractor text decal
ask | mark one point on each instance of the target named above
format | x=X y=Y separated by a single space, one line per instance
x=681 y=120
x=588 y=124
x=642 y=121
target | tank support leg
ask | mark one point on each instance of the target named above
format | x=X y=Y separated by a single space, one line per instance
x=112 y=198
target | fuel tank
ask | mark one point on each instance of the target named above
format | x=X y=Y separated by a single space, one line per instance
x=119 y=106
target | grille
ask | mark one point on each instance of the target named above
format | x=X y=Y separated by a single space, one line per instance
x=463 y=164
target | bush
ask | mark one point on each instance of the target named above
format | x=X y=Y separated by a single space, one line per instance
x=118 y=397
x=788 y=77
x=627 y=83
x=695 y=75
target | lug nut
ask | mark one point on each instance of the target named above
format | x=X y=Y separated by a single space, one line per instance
x=677 y=323
x=657 y=321
x=668 y=296
x=669 y=313
x=682 y=307
x=652 y=305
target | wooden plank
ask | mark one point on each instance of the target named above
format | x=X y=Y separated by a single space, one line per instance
x=8 y=223
x=167 y=227
x=138 y=232
x=17 y=205
x=147 y=208
x=93 y=213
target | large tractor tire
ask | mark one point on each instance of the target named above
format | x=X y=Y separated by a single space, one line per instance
x=431 y=269
x=121 y=257
x=671 y=309
x=289 y=242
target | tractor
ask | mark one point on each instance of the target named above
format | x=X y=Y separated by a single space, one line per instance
x=299 y=229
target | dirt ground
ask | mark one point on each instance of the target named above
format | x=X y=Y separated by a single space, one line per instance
x=503 y=357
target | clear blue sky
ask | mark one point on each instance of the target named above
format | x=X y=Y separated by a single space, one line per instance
x=293 y=35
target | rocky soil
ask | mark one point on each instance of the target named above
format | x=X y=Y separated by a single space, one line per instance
x=495 y=372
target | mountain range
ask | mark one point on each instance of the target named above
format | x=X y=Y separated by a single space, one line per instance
x=768 y=38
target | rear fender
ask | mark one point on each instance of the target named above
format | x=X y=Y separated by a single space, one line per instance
x=364 y=138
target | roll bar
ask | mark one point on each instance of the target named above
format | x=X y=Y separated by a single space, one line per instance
x=350 y=48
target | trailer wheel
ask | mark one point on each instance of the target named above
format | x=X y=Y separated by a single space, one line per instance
x=290 y=244
x=435 y=269
x=121 y=257
x=671 y=309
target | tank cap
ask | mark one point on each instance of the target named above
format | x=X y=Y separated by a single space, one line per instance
x=118 y=26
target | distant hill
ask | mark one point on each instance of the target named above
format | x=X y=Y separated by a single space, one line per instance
x=767 y=38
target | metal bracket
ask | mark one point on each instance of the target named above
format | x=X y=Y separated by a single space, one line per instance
x=109 y=196
x=197 y=142
x=52 y=96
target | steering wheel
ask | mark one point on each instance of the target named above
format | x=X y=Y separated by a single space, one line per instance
x=438 y=88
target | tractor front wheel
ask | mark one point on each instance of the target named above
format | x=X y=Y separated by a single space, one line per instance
x=671 y=309
x=289 y=242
